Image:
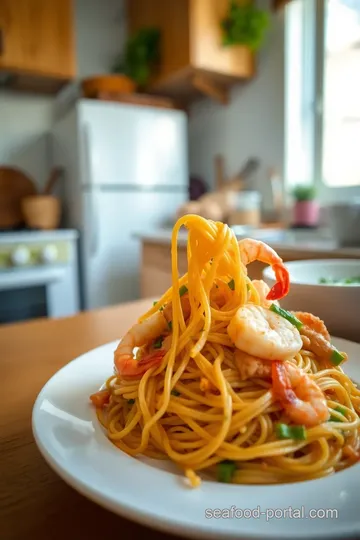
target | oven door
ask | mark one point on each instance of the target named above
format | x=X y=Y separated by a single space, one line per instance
x=28 y=293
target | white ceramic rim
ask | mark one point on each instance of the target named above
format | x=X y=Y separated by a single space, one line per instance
x=154 y=496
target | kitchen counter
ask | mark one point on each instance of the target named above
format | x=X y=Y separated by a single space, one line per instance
x=302 y=241
x=289 y=244
x=14 y=237
x=35 y=502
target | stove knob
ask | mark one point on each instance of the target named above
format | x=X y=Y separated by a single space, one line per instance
x=20 y=256
x=49 y=254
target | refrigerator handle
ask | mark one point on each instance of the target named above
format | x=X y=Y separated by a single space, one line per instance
x=94 y=218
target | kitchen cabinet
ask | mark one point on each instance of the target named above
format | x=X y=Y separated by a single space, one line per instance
x=36 y=41
x=193 y=59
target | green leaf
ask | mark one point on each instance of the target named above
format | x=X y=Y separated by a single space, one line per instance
x=232 y=285
x=304 y=193
x=244 y=24
x=142 y=53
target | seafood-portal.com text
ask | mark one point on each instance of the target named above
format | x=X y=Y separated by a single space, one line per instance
x=271 y=513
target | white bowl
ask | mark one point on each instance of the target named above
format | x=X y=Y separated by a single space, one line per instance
x=337 y=305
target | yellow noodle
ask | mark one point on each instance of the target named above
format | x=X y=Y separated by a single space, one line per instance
x=194 y=409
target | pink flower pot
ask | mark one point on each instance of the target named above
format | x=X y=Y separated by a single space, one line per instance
x=306 y=213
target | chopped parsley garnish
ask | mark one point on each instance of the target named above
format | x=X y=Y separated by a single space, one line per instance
x=158 y=342
x=183 y=290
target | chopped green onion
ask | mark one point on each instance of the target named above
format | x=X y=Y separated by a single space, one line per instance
x=336 y=357
x=232 y=285
x=340 y=410
x=158 y=342
x=175 y=393
x=183 y=290
x=286 y=315
x=248 y=287
x=225 y=471
x=283 y=431
x=154 y=303
x=131 y=401
x=170 y=325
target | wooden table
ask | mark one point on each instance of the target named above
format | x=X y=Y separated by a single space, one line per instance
x=34 y=502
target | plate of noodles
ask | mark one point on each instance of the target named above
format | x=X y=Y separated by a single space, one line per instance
x=218 y=414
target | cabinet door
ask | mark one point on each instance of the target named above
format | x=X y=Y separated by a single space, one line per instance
x=36 y=37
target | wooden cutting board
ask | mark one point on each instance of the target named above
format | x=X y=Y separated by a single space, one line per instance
x=14 y=185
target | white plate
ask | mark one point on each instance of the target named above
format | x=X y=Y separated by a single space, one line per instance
x=155 y=494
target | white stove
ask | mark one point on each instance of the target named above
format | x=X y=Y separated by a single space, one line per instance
x=38 y=274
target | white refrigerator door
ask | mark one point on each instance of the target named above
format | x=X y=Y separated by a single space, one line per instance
x=110 y=253
x=131 y=145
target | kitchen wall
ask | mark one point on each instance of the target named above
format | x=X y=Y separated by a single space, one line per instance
x=251 y=126
x=25 y=119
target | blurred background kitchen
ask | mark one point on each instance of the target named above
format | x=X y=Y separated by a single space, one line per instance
x=117 y=117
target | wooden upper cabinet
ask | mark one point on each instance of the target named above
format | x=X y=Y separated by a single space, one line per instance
x=193 y=59
x=36 y=38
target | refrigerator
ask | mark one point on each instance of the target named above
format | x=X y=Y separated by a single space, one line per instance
x=125 y=172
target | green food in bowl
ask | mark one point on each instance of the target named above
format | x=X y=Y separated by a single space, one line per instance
x=343 y=281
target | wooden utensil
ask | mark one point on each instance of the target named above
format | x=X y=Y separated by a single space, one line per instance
x=219 y=172
x=14 y=186
x=55 y=173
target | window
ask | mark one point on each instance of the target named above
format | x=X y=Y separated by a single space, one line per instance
x=323 y=95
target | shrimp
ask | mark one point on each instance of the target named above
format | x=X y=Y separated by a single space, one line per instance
x=303 y=400
x=263 y=290
x=316 y=338
x=255 y=250
x=142 y=334
x=264 y=334
x=251 y=367
x=313 y=323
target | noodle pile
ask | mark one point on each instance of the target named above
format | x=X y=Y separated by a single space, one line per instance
x=194 y=409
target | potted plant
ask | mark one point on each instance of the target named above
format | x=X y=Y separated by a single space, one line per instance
x=244 y=24
x=306 y=208
x=142 y=54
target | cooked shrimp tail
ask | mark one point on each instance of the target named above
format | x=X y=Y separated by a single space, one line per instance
x=154 y=328
x=263 y=290
x=140 y=334
x=282 y=285
x=255 y=250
